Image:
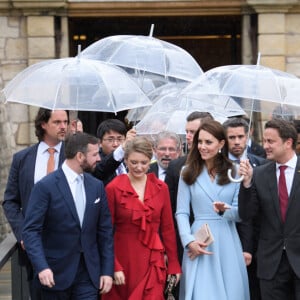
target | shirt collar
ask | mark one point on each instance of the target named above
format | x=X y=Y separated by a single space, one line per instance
x=291 y=163
x=70 y=174
x=44 y=147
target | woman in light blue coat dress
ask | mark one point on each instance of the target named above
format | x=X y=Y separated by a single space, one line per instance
x=217 y=271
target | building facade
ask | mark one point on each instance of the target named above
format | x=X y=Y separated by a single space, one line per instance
x=215 y=32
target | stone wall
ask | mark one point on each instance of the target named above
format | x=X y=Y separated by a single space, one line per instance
x=24 y=40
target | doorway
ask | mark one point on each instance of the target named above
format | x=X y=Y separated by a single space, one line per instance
x=212 y=40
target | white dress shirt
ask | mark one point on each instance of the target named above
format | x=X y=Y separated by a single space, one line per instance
x=41 y=161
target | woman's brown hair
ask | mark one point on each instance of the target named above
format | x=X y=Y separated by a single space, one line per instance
x=195 y=164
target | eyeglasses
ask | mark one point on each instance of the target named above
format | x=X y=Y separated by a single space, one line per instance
x=114 y=140
x=165 y=149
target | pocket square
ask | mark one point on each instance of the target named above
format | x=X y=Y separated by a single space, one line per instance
x=97 y=200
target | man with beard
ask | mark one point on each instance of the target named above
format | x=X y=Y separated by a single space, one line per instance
x=236 y=130
x=29 y=166
x=68 y=230
x=167 y=146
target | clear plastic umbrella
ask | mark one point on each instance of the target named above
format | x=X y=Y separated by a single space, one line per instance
x=170 y=90
x=145 y=54
x=75 y=84
x=253 y=87
x=170 y=112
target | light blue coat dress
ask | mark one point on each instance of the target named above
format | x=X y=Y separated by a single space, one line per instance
x=222 y=275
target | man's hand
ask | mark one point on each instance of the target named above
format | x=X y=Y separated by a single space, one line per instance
x=248 y=258
x=246 y=170
x=105 y=284
x=22 y=245
x=46 y=278
x=130 y=135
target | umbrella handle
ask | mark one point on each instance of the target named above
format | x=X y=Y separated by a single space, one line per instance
x=234 y=179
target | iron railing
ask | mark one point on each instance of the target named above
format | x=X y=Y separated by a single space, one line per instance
x=8 y=251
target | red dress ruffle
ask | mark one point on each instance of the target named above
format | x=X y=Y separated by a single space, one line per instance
x=139 y=251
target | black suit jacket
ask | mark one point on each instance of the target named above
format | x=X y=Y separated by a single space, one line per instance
x=248 y=230
x=172 y=178
x=262 y=200
x=153 y=168
x=106 y=169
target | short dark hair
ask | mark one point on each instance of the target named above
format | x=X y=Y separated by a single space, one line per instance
x=111 y=125
x=78 y=142
x=195 y=115
x=236 y=122
x=286 y=130
x=297 y=125
x=43 y=116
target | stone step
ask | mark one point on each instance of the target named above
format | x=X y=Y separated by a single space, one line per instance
x=5 y=282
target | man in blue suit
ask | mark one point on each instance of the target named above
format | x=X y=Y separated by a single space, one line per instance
x=28 y=167
x=68 y=234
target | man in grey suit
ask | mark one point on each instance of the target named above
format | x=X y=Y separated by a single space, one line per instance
x=28 y=167
x=271 y=192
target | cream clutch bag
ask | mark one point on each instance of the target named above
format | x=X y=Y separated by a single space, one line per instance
x=204 y=235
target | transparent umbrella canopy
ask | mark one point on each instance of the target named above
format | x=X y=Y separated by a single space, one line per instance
x=75 y=84
x=145 y=54
x=170 y=90
x=170 y=112
x=254 y=87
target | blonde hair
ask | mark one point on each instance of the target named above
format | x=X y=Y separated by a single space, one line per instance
x=140 y=145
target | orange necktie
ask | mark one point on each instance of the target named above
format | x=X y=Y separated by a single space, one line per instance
x=51 y=161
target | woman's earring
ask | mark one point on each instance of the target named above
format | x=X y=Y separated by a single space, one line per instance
x=219 y=150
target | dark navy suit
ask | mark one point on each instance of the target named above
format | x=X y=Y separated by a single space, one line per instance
x=54 y=238
x=19 y=185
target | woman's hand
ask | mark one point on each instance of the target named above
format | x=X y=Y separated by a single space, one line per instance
x=220 y=207
x=197 y=248
x=119 y=278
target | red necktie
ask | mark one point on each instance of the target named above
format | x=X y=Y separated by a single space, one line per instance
x=51 y=161
x=283 y=193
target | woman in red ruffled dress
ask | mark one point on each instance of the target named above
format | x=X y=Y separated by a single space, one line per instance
x=144 y=234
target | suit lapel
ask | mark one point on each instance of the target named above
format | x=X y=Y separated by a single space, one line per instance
x=65 y=190
x=30 y=164
x=273 y=187
x=90 y=197
x=61 y=155
x=295 y=186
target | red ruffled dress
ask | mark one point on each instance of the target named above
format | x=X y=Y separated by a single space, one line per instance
x=139 y=249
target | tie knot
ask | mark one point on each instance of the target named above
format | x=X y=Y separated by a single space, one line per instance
x=79 y=178
x=282 y=168
x=51 y=151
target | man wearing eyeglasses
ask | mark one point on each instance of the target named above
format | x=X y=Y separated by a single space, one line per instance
x=113 y=136
x=167 y=146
